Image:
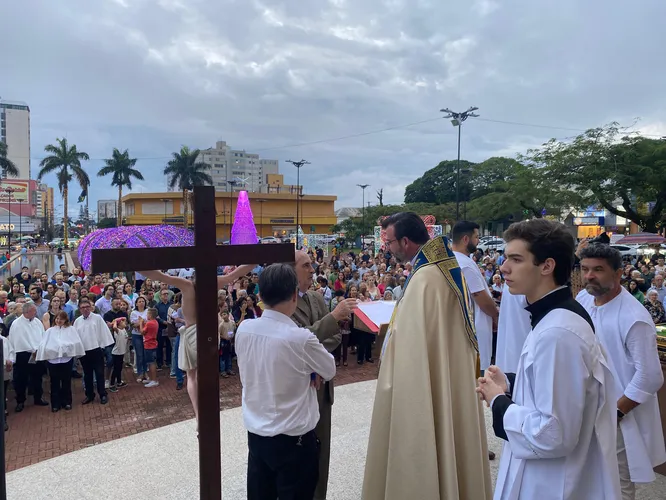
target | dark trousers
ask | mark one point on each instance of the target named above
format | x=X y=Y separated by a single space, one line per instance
x=284 y=467
x=162 y=343
x=116 y=376
x=61 y=383
x=93 y=362
x=342 y=349
x=25 y=374
x=364 y=351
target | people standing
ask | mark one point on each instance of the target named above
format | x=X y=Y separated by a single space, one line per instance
x=557 y=413
x=626 y=330
x=428 y=362
x=513 y=328
x=312 y=313
x=465 y=239
x=276 y=359
x=60 y=345
x=25 y=336
x=149 y=329
x=137 y=339
x=95 y=336
x=121 y=337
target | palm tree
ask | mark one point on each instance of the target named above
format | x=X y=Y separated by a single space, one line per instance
x=122 y=168
x=66 y=160
x=184 y=171
x=6 y=164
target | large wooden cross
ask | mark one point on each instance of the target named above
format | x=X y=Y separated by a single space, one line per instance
x=204 y=257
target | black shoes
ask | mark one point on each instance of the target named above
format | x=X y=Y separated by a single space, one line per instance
x=104 y=400
x=68 y=407
x=55 y=410
x=87 y=401
x=179 y=387
x=19 y=407
x=41 y=402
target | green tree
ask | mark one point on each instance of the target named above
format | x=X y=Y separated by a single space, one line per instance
x=107 y=222
x=625 y=174
x=65 y=160
x=6 y=165
x=438 y=185
x=121 y=166
x=184 y=171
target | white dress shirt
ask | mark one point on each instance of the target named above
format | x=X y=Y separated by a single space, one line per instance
x=93 y=331
x=276 y=359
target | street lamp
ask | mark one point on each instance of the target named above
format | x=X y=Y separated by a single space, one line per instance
x=261 y=217
x=298 y=165
x=231 y=183
x=20 y=200
x=166 y=201
x=457 y=121
x=363 y=186
x=9 y=192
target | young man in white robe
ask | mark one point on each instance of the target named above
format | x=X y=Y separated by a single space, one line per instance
x=626 y=331
x=557 y=413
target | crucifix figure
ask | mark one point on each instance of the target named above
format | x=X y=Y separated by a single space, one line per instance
x=204 y=257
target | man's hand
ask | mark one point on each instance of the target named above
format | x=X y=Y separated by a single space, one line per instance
x=344 y=309
x=316 y=381
x=8 y=365
x=496 y=375
x=487 y=389
x=582 y=245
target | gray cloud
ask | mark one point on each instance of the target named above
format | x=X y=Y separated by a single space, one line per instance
x=150 y=75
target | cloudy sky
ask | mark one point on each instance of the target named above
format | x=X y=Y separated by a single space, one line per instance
x=271 y=76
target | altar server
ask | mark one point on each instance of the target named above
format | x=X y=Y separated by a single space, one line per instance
x=557 y=413
x=512 y=330
x=626 y=330
x=25 y=335
x=60 y=345
x=95 y=336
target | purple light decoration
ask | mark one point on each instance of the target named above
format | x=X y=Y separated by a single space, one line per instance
x=244 y=231
x=133 y=237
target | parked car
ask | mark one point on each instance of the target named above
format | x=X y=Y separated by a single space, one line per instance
x=495 y=244
x=330 y=239
x=626 y=250
x=270 y=239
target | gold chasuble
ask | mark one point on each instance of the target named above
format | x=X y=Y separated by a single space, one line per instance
x=428 y=435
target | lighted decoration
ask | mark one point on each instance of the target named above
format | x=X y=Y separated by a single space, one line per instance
x=133 y=237
x=434 y=230
x=313 y=240
x=243 y=231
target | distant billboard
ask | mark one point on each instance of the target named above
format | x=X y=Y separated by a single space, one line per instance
x=12 y=191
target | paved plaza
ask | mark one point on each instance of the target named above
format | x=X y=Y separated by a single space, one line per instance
x=163 y=463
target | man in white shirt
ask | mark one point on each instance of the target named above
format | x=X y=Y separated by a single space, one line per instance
x=465 y=239
x=626 y=330
x=557 y=414
x=104 y=304
x=278 y=361
x=186 y=272
x=25 y=335
x=95 y=336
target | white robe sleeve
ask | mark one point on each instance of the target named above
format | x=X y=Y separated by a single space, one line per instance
x=558 y=379
x=641 y=344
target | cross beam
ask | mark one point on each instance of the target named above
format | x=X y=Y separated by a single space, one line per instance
x=204 y=256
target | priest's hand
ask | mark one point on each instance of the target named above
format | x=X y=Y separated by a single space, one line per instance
x=487 y=389
x=496 y=375
x=344 y=309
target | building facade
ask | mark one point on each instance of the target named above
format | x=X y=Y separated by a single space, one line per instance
x=274 y=214
x=15 y=132
x=246 y=170
x=106 y=209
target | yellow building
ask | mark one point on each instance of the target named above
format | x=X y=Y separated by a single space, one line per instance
x=274 y=214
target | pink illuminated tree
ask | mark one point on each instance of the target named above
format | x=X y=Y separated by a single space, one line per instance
x=243 y=231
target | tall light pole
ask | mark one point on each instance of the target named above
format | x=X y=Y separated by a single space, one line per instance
x=363 y=186
x=298 y=165
x=20 y=200
x=261 y=217
x=9 y=192
x=457 y=121
x=231 y=183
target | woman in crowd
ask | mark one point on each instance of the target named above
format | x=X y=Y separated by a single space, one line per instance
x=655 y=307
x=253 y=303
x=242 y=311
x=137 y=338
x=48 y=319
x=373 y=291
x=635 y=291
x=15 y=293
x=340 y=283
x=59 y=346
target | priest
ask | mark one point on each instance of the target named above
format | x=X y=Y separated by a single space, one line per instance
x=427 y=437
x=25 y=335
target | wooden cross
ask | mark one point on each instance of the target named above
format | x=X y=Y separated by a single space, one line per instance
x=204 y=257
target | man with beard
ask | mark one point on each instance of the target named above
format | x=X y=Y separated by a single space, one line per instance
x=428 y=363
x=465 y=236
x=625 y=329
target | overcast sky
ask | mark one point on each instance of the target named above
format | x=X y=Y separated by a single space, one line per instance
x=265 y=75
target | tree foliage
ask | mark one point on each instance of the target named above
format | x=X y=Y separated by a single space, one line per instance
x=184 y=171
x=623 y=173
x=6 y=165
x=438 y=185
x=121 y=167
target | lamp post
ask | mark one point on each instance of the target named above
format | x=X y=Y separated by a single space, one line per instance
x=298 y=165
x=363 y=186
x=20 y=200
x=166 y=201
x=457 y=121
x=9 y=192
x=231 y=183
x=261 y=217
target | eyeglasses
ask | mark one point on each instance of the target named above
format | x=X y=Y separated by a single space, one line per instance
x=388 y=242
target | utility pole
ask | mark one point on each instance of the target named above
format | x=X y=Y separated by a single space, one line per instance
x=231 y=183
x=363 y=186
x=298 y=165
x=261 y=217
x=457 y=121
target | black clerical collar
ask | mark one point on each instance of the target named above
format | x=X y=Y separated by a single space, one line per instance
x=556 y=299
